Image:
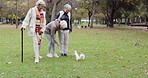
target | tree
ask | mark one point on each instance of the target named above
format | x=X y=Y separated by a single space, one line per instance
x=55 y=3
x=109 y=8
x=90 y=6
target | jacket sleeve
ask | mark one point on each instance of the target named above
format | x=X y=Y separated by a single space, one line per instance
x=57 y=16
x=27 y=19
x=71 y=25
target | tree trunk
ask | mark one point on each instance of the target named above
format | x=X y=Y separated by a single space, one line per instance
x=111 y=20
x=54 y=8
x=146 y=19
x=89 y=16
x=128 y=21
x=53 y=12
x=93 y=13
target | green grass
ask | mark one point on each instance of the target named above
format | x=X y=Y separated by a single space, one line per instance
x=109 y=54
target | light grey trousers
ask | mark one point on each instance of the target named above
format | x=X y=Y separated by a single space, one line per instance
x=64 y=38
x=51 y=44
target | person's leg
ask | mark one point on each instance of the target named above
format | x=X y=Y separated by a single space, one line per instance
x=66 y=39
x=39 y=43
x=36 y=48
x=49 y=45
x=61 y=39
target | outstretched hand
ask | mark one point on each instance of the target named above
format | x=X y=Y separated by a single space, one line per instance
x=40 y=32
x=58 y=44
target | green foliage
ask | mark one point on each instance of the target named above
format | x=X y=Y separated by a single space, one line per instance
x=110 y=53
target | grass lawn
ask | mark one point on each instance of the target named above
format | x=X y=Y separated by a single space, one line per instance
x=110 y=53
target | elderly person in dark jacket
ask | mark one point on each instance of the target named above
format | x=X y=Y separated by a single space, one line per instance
x=64 y=34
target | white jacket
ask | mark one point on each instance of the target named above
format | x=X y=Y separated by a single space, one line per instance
x=30 y=21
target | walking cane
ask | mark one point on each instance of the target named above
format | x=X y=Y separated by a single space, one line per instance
x=22 y=45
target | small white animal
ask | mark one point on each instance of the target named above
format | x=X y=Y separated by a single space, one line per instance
x=82 y=56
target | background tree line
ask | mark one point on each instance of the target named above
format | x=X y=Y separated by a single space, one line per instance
x=106 y=12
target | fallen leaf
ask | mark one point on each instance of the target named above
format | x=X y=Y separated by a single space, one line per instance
x=42 y=72
x=130 y=61
x=36 y=67
x=74 y=70
x=49 y=71
x=145 y=71
x=108 y=61
x=78 y=77
x=130 y=69
x=109 y=72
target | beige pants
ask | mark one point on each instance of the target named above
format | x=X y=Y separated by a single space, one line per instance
x=37 y=44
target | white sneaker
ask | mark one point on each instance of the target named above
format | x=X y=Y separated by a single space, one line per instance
x=40 y=57
x=36 y=60
x=55 y=55
x=49 y=55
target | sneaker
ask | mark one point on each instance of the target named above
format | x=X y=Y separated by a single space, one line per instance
x=40 y=57
x=65 y=54
x=49 y=55
x=55 y=55
x=62 y=55
x=36 y=60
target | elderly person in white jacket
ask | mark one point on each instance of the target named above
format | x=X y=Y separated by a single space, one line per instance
x=36 y=21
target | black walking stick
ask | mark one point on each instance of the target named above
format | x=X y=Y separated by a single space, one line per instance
x=22 y=44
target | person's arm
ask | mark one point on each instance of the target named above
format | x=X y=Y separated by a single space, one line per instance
x=57 y=16
x=70 y=25
x=26 y=20
x=53 y=36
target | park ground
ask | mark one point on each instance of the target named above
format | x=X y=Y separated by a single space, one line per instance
x=110 y=53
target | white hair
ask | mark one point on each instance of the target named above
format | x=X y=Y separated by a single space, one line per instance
x=40 y=2
x=67 y=6
x=63 y=24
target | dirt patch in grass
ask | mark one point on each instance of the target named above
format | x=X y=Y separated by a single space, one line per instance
x=144 y=29
x=8 y=27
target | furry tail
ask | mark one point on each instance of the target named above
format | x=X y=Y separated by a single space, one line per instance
x=82 y=56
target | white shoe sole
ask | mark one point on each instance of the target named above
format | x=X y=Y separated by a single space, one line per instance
x=49 y=56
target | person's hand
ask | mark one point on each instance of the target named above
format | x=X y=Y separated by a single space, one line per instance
x=58 y=44
x=22 y=28
x=40 y=32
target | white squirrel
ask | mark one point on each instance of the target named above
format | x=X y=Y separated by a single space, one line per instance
x=82 y=56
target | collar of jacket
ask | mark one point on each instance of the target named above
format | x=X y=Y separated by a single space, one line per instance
x=37 y=9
